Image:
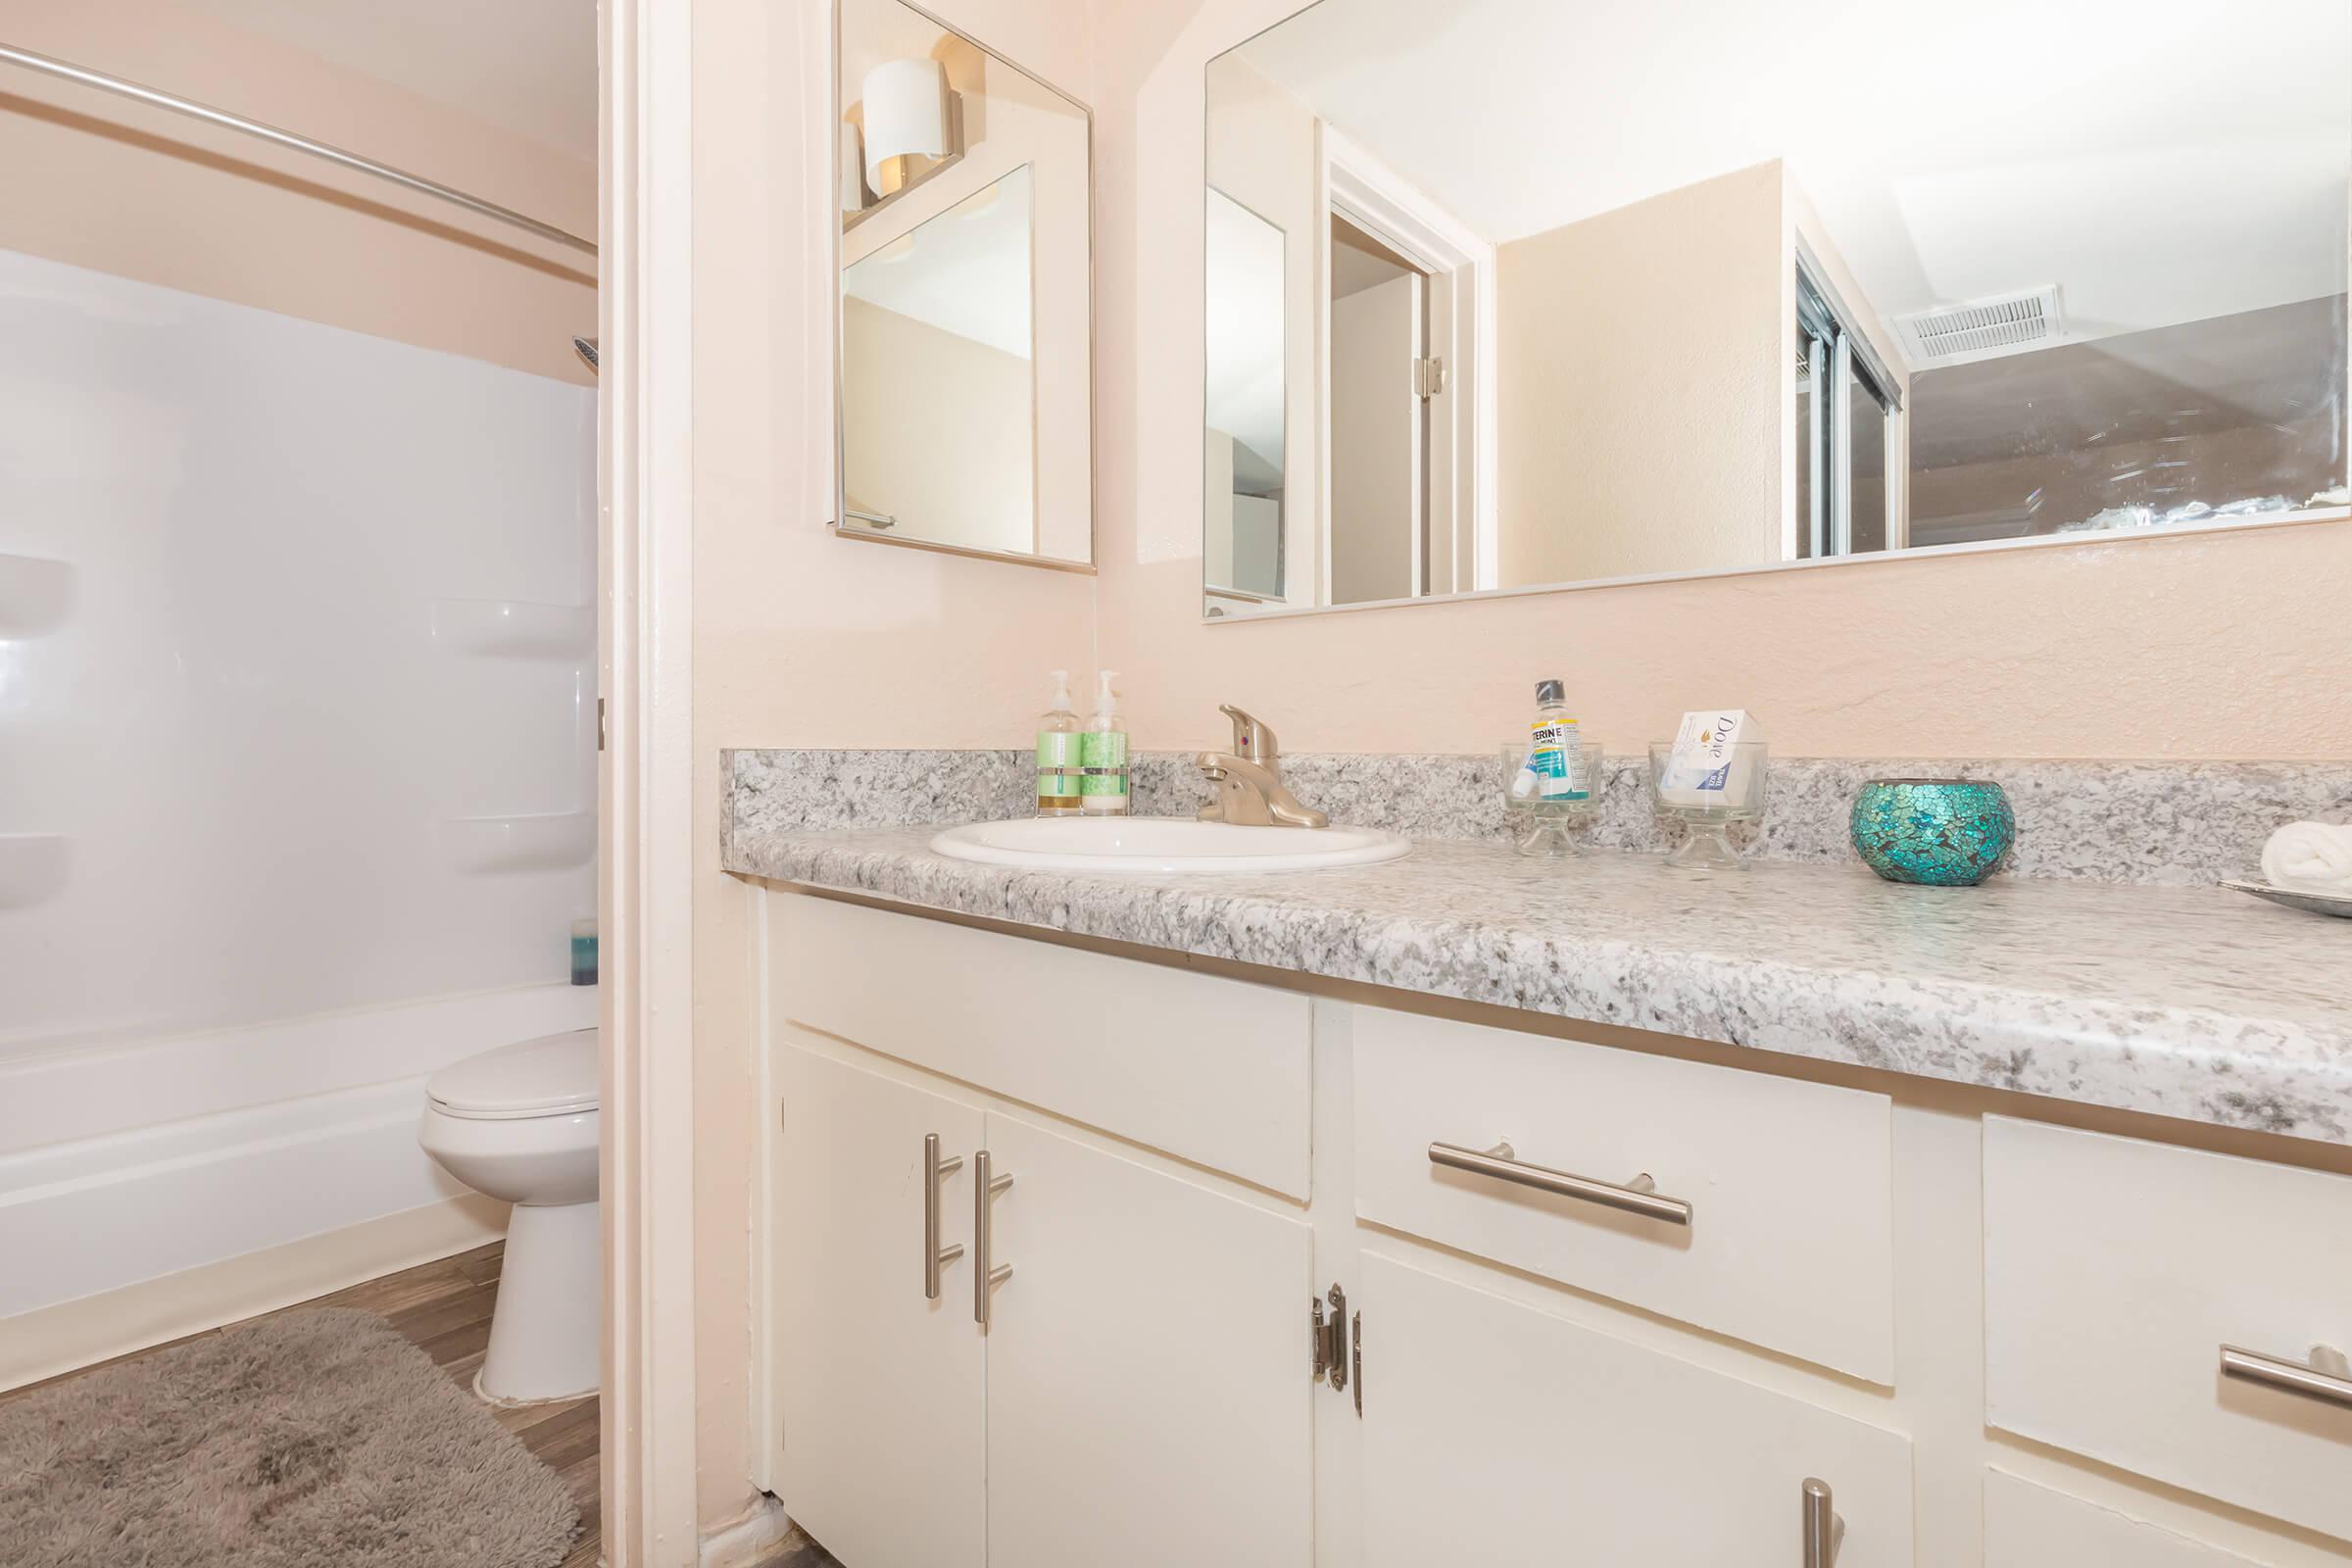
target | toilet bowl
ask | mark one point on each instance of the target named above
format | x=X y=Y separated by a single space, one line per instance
x=520 y=1123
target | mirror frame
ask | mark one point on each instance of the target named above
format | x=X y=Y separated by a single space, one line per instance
x=1244 y=614
x=838 y=523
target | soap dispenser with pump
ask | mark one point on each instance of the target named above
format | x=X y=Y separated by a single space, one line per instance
x=1057 y=754
x=1102 y=753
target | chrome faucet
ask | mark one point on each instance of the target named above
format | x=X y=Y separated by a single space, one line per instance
x=1249 y=780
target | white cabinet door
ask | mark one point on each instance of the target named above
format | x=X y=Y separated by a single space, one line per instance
x=2029 y=1526
x=1148 y=1392
x=1497 y=1434
x=879 y=1388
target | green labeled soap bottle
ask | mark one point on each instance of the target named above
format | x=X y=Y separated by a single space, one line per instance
x=1103 y=752
x=1057 y=759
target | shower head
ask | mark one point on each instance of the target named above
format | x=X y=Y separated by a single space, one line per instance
x=585 y=348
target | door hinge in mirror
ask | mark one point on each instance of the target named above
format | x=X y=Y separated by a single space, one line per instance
x=599 y=723
x=1429 y=378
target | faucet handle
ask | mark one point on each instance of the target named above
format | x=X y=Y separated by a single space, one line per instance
x=1252 y=741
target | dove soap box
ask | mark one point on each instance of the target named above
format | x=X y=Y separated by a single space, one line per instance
x=1702 y=769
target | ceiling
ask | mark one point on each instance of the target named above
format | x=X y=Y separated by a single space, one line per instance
x=2160 y=160
x=524 y=66
x=965 y=270
x=2255 y=371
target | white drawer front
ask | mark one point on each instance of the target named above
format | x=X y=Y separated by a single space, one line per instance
x=1790 y=1244
x=2114 y=1272
x=1209 y=1069
x=2029 y=1526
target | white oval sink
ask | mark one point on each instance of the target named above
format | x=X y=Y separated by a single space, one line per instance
x=1162 y=844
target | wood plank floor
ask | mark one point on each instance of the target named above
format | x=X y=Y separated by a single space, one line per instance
x=444 y=1310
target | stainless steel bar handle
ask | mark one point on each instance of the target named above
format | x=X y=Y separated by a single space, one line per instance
x=936 y=1256
x=1824 y=1531
x=1636 y=1197
x=2327 y=1376
x=987 y=1275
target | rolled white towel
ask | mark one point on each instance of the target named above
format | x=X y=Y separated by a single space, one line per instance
x=2314 y=857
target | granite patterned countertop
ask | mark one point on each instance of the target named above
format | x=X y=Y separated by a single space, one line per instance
x=2193 y=1002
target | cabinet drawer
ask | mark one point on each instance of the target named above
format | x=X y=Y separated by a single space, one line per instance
x=1211 y=1070
x=2115 y=1270
x=2031 y=1526
x=1789 y=1244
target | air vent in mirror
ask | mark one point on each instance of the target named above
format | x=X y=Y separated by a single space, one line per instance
x=1982 y=329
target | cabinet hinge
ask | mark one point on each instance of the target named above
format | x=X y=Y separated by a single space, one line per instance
x=1429 y=378
x=1335 y=1343
x=1355 y=1353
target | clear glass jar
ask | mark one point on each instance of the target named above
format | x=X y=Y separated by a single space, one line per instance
x=1706 y=807
x=1546 y=827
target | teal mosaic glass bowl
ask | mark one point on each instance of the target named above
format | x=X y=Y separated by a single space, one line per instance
x=1940 y=832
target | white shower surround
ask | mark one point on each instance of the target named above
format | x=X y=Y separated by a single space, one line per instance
x=296 y=696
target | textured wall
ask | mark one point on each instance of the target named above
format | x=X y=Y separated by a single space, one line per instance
x=1639 y=379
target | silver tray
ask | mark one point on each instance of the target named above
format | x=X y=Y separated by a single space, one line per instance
x=2335 y=904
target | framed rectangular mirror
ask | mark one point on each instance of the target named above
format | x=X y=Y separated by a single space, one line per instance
x=1574 y=293
x=965 y=346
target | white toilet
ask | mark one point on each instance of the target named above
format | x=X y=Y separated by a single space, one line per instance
x=520 y=1123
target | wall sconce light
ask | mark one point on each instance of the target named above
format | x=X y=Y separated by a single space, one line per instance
x=914 y=127
x=906 y=117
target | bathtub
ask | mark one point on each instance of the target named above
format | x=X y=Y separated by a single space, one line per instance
x=126 y=1164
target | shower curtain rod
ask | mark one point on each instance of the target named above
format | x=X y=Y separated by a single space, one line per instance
x=287 y=138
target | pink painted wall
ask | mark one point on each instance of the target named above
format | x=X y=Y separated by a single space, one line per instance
x=2209 y=646
x=103 y=182
x=802 y=638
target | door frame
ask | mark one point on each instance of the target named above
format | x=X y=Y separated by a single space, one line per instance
x=1357 y=187
x=645 y=781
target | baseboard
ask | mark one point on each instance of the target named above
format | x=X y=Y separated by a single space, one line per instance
x=51 y=1340
x=749 y=1540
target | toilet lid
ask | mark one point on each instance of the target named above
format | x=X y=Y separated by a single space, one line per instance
x=552 y=1075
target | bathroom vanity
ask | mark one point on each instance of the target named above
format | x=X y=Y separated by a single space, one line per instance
x=1443 y=1210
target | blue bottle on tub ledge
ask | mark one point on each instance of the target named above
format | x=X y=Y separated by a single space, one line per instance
x=1936 y=832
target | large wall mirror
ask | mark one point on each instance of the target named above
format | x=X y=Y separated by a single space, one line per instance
x=966 y=355
x=1511 y=293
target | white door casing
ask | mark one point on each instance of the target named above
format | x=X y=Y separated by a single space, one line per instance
x=645 y=777
x=1464 y=458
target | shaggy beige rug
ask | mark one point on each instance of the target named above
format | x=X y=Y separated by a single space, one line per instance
x=312 y=1440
